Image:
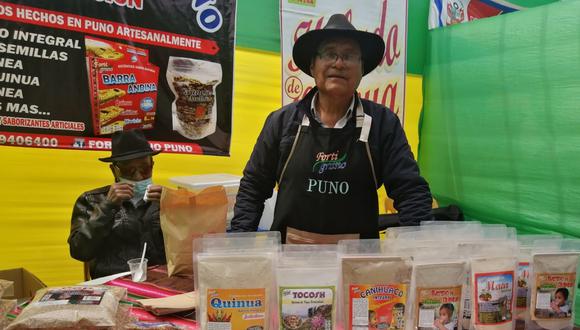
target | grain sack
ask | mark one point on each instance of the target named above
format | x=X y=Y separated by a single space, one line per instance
x=75 y=307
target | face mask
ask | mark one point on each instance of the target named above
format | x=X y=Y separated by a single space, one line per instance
x=139 y=188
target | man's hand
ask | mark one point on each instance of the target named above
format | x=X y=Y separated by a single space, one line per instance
x=120 y=192
x=153 y=193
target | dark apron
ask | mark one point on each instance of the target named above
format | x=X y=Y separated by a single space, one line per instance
x=327 y=190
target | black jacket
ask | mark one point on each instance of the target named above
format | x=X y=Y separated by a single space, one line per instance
x=392 y=158
x=107 y=235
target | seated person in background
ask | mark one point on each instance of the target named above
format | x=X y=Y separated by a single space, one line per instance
x=110 y=224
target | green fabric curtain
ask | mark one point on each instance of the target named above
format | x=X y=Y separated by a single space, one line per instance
x=501 y=131
x=500 y=134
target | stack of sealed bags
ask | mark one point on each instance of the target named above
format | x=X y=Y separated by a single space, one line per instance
x=509 y=281
x=440 y=275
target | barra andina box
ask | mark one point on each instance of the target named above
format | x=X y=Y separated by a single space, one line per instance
x=123 y=86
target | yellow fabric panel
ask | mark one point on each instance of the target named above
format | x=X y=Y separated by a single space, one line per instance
x=40 y=186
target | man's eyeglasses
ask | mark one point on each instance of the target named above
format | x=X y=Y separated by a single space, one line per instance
x=132 y=172
x=331 y=57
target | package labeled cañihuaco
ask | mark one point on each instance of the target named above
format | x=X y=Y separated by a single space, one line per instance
x=375 y=287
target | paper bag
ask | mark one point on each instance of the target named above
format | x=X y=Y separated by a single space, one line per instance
x=186 y=215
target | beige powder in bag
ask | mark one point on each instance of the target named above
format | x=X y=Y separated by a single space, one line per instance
x=78 y=307
x=365 y=280
x=439 y=289
x=553 y=291
x=231 y=286
x=493 y=283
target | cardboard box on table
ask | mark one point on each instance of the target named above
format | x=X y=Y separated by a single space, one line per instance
x=25 y=283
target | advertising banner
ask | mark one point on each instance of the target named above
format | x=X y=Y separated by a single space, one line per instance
x=387 y=18
x=73 y=72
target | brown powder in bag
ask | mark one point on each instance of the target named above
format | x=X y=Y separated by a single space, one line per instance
x=360 y=271
x=80 y=307
x=553 y=290
x=438 y=286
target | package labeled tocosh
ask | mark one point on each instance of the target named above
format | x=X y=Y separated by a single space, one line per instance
x=307 y=280
x=375 y=287
x=554 y=280
x=235 y=280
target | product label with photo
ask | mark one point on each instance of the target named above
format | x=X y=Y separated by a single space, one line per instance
x=378 y=306
x=236 y=309
x=554 y=296
x=72 y=296
x=437 y=307
x=494 y=294
x=307 y=307
x=522 y=292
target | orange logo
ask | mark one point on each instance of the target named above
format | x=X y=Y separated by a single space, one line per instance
x=293 y=87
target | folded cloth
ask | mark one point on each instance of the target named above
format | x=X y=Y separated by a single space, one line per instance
x=173 y=304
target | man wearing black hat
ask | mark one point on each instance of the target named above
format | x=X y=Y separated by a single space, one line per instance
x=331 y=151
x=110 y=224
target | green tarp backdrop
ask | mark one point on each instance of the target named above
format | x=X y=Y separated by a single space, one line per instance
x=501 y=126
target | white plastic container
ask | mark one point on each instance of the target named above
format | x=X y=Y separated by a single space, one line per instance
x=231 y=183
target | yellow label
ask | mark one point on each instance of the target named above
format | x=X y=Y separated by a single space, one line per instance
x=236 y=309
x=378 y=306
x=554 y=295
x=437 y=307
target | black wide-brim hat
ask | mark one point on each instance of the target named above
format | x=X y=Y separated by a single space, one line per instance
x=372 y=45
x=129 y=145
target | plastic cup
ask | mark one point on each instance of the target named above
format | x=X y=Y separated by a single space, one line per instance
x=136 y=275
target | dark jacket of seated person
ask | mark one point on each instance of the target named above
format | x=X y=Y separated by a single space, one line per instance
x=110 y=225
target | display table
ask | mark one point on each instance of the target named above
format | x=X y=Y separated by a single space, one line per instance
x=158 y=285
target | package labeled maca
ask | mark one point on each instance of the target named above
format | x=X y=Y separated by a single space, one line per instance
x=123 y=86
